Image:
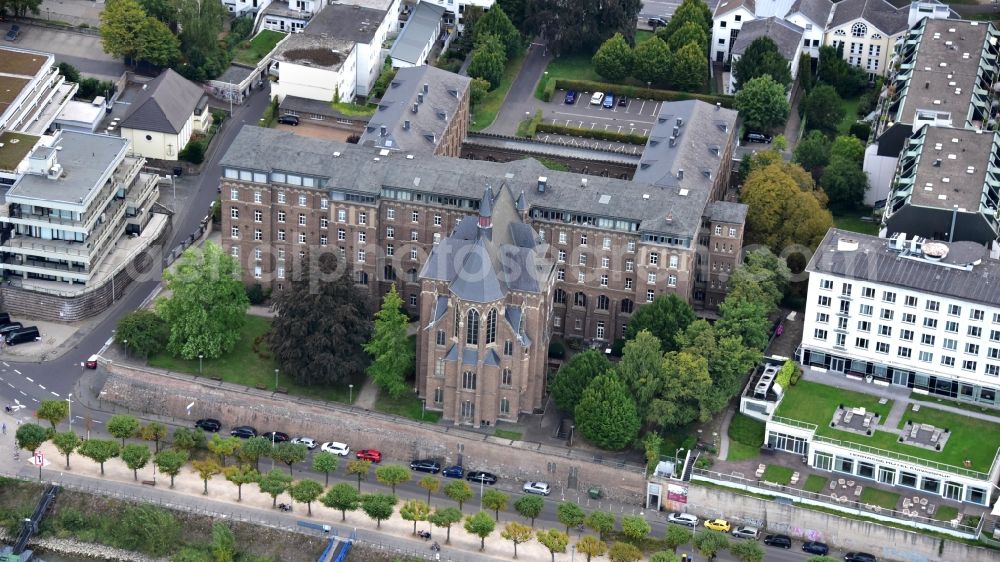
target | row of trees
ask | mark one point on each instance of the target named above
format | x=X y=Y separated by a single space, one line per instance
x=674 y=369
x=576 y=26
x=675 y=57
x=495 y=41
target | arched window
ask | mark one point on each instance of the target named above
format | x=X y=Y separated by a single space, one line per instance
x=580 y=299
x=627 y=306
x=390 y=273
x=362 y=278
x=859 y=30
x=458 y=320
x=491 y=326
x=559 y=296
x=603 y=302
x=472 y=327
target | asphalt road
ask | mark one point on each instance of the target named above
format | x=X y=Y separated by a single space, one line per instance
x=68 y=46
x=30 y=382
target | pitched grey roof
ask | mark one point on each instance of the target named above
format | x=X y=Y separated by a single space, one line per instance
x=874 y=261
x=347 y=22
x=437 y=94
x=305 y=105
x=725 y=211
x=165 y=105
x=662 y=210
x=884 y=16
x=818 y=11
x=421 y=28
x=726 y=6
x=236 y=74
x=785 y=34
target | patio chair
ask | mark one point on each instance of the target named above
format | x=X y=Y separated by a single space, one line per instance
x=867 y=423
x=848 y=416
x=795 y=478
x=841 y=482
x=916 y=499
x=914 y=431
x=850 y=483
x=906 y=502
x=931 y=509
x=857 y=491
x=833 y=485
x=923 y=501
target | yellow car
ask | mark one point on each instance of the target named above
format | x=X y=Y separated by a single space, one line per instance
x=718 y=525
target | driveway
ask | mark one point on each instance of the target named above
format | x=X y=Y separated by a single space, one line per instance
x=83 y=51
x=520 y=98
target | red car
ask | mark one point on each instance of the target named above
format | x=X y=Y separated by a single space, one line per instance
x=373 y=455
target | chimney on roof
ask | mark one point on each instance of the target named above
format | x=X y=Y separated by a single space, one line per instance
x=542 y=180
x=426 y=87
x=406 y=125
x=718 y=105
x=420 y=97
x=486 y=212
x=382 y=130
x=414 y=108
x=680 y=121
x=677 y=131
x=680 y=174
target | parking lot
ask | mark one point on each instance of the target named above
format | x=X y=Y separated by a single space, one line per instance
x=637 y=116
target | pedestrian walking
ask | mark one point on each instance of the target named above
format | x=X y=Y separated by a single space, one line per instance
x=5 y=429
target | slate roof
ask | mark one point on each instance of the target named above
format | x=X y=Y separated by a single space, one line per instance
x=305 y=105
x=873 y=261
x=730 y=5
x=165 y=105
x=654 y=208
x=438 y=96
x=421 y=29
x=818 y=11
x=786 y=35
x=726 y=211
x=884 y=16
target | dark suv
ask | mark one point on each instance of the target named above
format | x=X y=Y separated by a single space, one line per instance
x=243 y=432
x=816 y=547
x=859 y=557
x=276 y=436
x=426 y=465
x=783 y=541
x=288 y=119
x=208 y=424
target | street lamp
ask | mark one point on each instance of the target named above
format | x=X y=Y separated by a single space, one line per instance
x=350 y=400
x=70 y=402
x=423 y=407
x=276 y=380
x=200 y=357
x=125 y=343
x=572 y=553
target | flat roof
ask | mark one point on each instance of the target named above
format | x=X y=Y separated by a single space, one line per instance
x=22 y=63
x=346 y=22
x=15 y=147
x=945 y=70
x=81 y=171
x=952 y=169
x=81 y=112
x=10 y=88
x=313 y=50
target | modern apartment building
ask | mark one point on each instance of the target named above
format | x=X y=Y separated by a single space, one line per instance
x=66 y=210
x=32 y=92
x=942 y=75
x=908 y=312
x=615 y=244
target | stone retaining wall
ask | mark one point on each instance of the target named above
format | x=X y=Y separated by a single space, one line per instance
x=141 y=391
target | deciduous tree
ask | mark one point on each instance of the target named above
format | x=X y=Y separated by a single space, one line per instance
x=844 y=182
x=516 y=533
x=635 y=527
x=478 y=89
x=206 y=469
x=690 y=68
x=696 y=11
x=641 y=369
x=624 y=552
x=675 y=537
x=762 y=103
x=224 y=447
x=762 y=58
x=378 y=507
x=445 y=517
x=728 y=361
x=681 y=398
x=574 y=376
x=780 y=213
x=601 y=521
x=123 y=426
x=343 y=497
x=200 y=23
x=459 y=491
x=689 y=32
x=136 y=456
x=52 y=411
x=570 y=514
x=290 y=453
x=663 y=318
x=274 y=483
x=849 y=149
x=121 y=29
x=322 y=323
x=496 y=22
x=579 y=26
x=813 y=151
x=529 y=506
x=416 y=511
x=98 y=450
x=591 y=546
x=488 y=59
x=606 y=415
x=554 y=540
x=832 y=69
x=652 y=61
x=256 y=447
x=481 y=525
x=709 y=543
x=747 y=551
x=208 y=303
x=239 y=475
x=170 y=462
x=665 y=556
x=823 y=109
x=160 y=47
x=153 y=431
x=392 y=355
x=325 y=462
x=223 y=543
x=613 y=60
x=431 y=484
x=392 y=475
x=66 y=442
x=497 y=501
x=306 y=491
x=360 y=469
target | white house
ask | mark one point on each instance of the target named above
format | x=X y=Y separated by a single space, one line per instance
x=866 y=31
x=287 y=16
x=811 y=16
x=416 y=40
x=454 y=10
x=160 y=121
x=244 y=7
x=730 y=16
x=786 y=36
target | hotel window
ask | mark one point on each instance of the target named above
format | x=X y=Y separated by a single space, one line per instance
x=628 y=282
x=932 y=485
x=281 y=197
x=281 y=273
x=971 y=349
x=907 y=479
x=258 y=254
x=324 y=203
x=927 y=339
x=650 y=295
x=993 y=353
x=604 y=280
x=629 y=265
x=361 y=256
x=826 y=284
x=390 y=250
x=842 y=464
x=868 y=293
x=437 y=220
x=845 y=289
x=651 y=278
x=992 y=369
x=911 y=301
x=302 y=219
x=414 y=236
x=561 y=274
x=718 y=230
x=390 y=214
x=258 y=234
x=861 y=343
x=413 y=253
x=994 y=335
x=581 y=278
x=235 y=252
x=341 y=234
x=234 y=213
x=824 y=300
x=258 y=216
x=506 y=378
x=954 y=310
x=671 y=280
x=823 y=461
x=323 y=240
x=906 y=335
x=947 y=361
x=362 y=236
x=975 y=332
x=925 y=356
x=884 y=330
x=930 y=323
x=904 y=352
x=562 y=255
x=302 y=238
x=257 y=197
x=341 y=215
x=583 y=259
x=281 y=216
x=234 y=194
x=654 y=258
x=468 y=380
x=841 y=340
x=932 y=306
x=732 y=232
x=324 y=222
x=281 y=234
x=909 y=318
x=606 y=244
x=235 y=232
x=976 y=314
x=820 y=334
x=881 y=347
x=822 y=317
x=414 y=216
x=886 y=314
x=583 y=239
x=888 y=296
x=864 y=326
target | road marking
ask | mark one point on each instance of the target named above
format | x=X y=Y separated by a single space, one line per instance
x=97 y=421
x=5 y=364
x=600 y=117
x=34 y=400
x=10 y=385
x=16 y=371
x=41 y=387
x=619 y=128
x=29 y=379
x=54 y=394
x=23 y=393
x=642 y=106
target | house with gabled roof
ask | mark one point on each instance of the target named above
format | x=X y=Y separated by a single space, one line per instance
x=161 y=120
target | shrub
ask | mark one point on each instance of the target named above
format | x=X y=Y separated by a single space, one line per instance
x=69 y=72
x=194 y=152
x=256 y=293
x=860 y=130
x=549 y=90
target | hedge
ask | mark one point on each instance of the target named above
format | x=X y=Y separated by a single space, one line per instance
x=632 y=91
x=599 y=134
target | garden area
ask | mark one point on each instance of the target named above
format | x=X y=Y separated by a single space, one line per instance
x=485 y=112
x=250 y=52
x=746 y=435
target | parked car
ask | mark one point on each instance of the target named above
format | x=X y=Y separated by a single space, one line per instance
x=426 y=465
x=754 y=136
x=288 y=119
x=609 y=100
x=11 y=327
x=570 y=97
x=243 y=432
x=336 y=448
x=746 y=532
x=782 y=541
x=597 y=98
x=455 y=471
x=23 y=335
x=622 y=100
x=276 y=436
x=859 y=557
x=685 y=519
x=90 y=363
x=540 y=488
x=309 y=442
x=816 y=547
x=373 y=455
x=656 y=22
x=13 y=33
x=718 y=525
x=208 y=424
x=479 y=476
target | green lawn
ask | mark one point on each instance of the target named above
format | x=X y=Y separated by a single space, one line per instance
x=349 y=109
x=408 y=406
x=778 y=474
x=260 y=46
x=746 y=435
x=641 y=36
x=852 y=222
x=507 y=434
x=946 y=513
x=815 y=403
x=972 y=439
x=850 y=115
x=553 y=164
x=243 y=366
x=968 y=406
x=887 y=500
x=815 y=483
x=485 y=112
x=741 y=452
x=570 y=67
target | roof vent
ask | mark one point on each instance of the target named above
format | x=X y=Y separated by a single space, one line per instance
x=937 y=162
x=927 y=85
x=409 y=157
x=376 y=159
x=673 y=141
x=416 y=181
x=427 y=87
x=683 y=192
x=542 y=182
x=645 y=196
x=680 y=121
x=669 y=217
x=382 y=130
x=336 y=155
x=420 y=97
x=680 y=174
x=970 y=170
x=453 y=92
x=442 y=115
x=847 y=245
x=945 y=180
x=383 y=152
x=414 y=108
x=406 y=125
x=952 y=157
x=583 y=182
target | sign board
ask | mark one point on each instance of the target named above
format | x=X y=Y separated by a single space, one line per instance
x=38 y=459
x=677 y=493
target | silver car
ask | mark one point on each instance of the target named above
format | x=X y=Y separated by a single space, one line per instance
x=540 y=488
x=746 y=532
x=309 y=442
x=685 y=519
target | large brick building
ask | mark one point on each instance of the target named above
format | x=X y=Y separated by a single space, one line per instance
x=612 y=244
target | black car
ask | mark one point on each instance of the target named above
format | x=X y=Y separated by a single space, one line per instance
x=453 y=472
x=815 y=547
x=754 y=136
x=288 y=120
x=276 y=436
x=622 y=100
x=859 y=557
x=243 y=432
x=12 y=34
x=656 y=22
x=783 y=541
x=10 y=327
x=481 y=477
x=208 y=424
x=426 y=465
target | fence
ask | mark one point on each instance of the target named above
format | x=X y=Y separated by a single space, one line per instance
x=853 y=507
